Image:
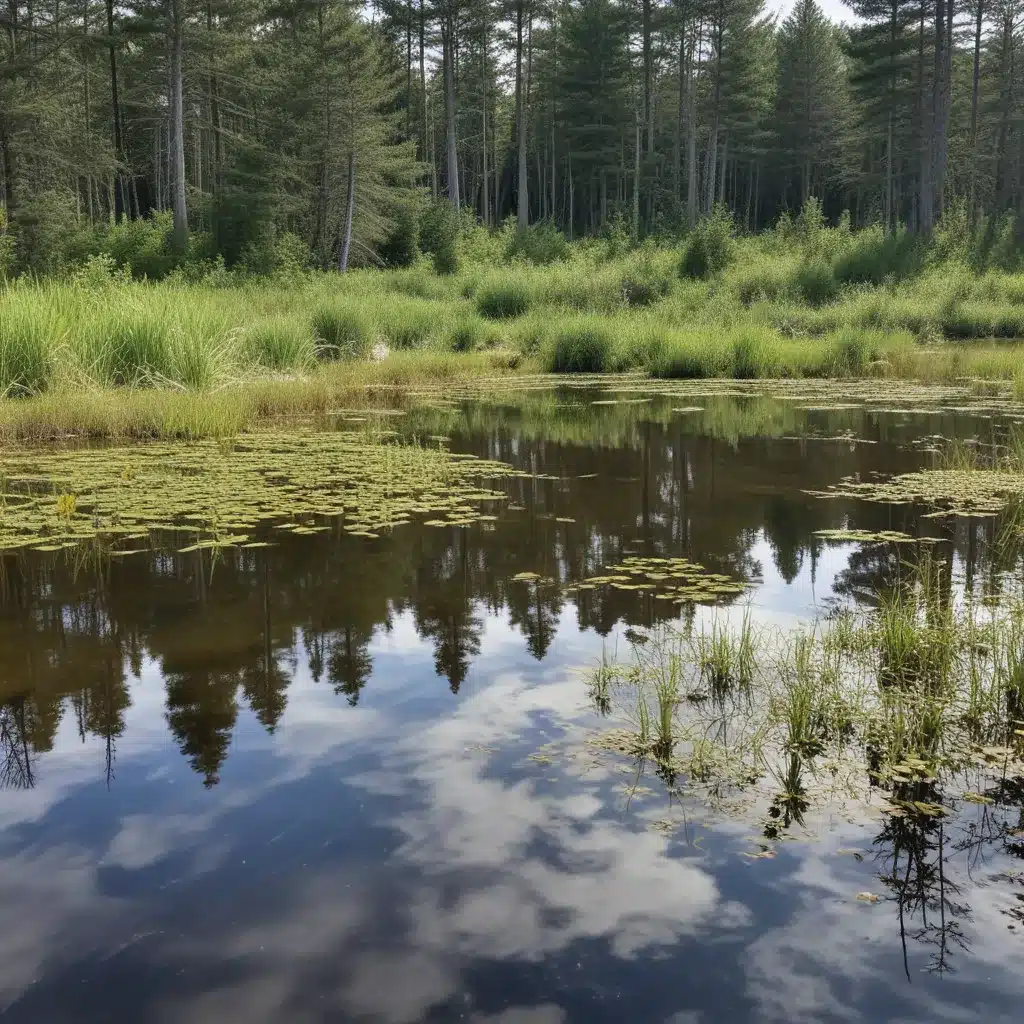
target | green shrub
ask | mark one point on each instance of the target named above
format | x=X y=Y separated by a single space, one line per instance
x=439 y=236
x=503 y=300
x=642 y=286
x=584 y=347
x=709 y=249
x=539 y=243
x=341 y=332
x=873 y=256
x=446 y=259
x=401 y=244
x=7 y=250
x=816 y=282
x=765 y=280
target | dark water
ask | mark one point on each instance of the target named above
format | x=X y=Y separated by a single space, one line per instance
x=303 y=783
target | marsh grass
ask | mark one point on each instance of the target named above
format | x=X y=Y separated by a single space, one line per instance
x=905 y=697
x=727 y=658
x=818 y=304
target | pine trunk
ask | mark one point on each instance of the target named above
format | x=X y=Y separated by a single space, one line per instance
x=350 y=209
x=176 y=32
x=448 y=57
x=522 y=185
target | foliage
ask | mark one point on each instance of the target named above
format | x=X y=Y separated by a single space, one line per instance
x=709 y=249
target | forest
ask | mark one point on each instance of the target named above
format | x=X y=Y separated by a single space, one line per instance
x=329 y=124
x=205 y=194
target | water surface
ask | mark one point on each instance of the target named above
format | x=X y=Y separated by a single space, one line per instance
x=347 y=779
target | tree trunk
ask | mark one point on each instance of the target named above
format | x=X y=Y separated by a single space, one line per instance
x=215 y=125
x=115 y=114
x=975 y=82
x=423 y=85
x=648 y=62
x=692 y=197
x=448 y=56
x=486 y=204
x=175 y=31
x=522 y=184
x=636 y=180
x=350 y=209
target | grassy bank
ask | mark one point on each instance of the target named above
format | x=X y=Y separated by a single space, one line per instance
x=810 y=303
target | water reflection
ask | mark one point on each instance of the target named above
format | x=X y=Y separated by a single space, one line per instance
x=225 y=629
x=364 y=847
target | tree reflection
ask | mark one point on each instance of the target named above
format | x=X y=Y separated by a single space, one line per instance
x=594 y=489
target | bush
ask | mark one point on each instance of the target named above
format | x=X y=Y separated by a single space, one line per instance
x=400 y=247
x=342 y=331
x=816 y=282
x=644 y=285
x=874 y=256
x=540 y=243
x=6 y=247
x=763 y=280
x=503 y=301
x=439 y=235
x=585 y=347
x=709 y=249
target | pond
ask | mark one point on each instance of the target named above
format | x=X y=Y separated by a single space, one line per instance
x=360 y=778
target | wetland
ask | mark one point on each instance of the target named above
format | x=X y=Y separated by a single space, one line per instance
x=521 y=699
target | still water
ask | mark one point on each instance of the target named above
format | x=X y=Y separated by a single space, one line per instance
x=340 y=779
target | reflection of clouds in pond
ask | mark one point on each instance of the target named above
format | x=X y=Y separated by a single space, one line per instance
x=49 y=898
x=487 y=870
x=552 y=871
x=837 y=959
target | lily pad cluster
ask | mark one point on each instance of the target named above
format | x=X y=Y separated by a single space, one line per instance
x=222 y=492
x=670 y=579
x=973 y=492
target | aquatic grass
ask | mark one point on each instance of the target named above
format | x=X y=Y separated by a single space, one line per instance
x=727 y=659
x=601 y=681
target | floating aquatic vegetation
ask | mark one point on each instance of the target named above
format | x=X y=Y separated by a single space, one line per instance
x=975 y=492
x=221 y=491
x=670 y=579
x=866 y=536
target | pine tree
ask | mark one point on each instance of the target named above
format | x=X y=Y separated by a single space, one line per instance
x=810 y=108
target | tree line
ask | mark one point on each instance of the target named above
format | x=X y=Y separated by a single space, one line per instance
x=240 y=122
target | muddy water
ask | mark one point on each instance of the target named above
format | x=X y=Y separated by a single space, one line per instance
x=340 y=779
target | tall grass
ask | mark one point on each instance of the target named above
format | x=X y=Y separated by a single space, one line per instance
x=802 y=301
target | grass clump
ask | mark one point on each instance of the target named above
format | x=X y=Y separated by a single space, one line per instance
x=583 y=346
x=341 y=331
x=503 y=300
x=281 y=343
